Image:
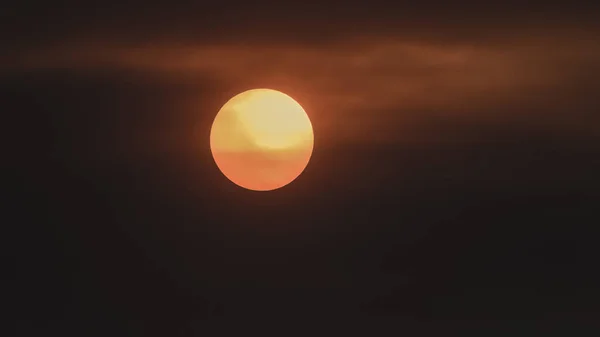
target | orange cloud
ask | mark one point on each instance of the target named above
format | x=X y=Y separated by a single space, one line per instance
x=359 y=85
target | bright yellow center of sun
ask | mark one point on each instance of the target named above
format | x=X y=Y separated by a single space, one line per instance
x=273 y=120
x=261 y=139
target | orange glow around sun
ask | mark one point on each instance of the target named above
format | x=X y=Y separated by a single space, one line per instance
x=261 y=139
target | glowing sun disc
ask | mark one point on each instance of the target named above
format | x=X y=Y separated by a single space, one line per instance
x=261 y=139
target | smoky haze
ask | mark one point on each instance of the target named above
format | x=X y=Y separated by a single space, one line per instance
x=453 y=185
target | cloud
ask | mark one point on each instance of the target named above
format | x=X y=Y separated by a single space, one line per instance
x=369 y=85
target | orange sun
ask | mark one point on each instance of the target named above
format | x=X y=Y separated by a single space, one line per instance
x=261 y=139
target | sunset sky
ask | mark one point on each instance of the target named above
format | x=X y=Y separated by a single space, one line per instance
x=453 y=184
x=375 y=70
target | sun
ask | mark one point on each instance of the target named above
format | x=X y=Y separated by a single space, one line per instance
x=261 y=139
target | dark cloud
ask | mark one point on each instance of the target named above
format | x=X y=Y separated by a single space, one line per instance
x=290 y=22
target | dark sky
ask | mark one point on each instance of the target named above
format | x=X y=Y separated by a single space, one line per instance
x=454 y=185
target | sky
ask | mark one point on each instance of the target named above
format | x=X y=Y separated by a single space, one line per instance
x=453 y=185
